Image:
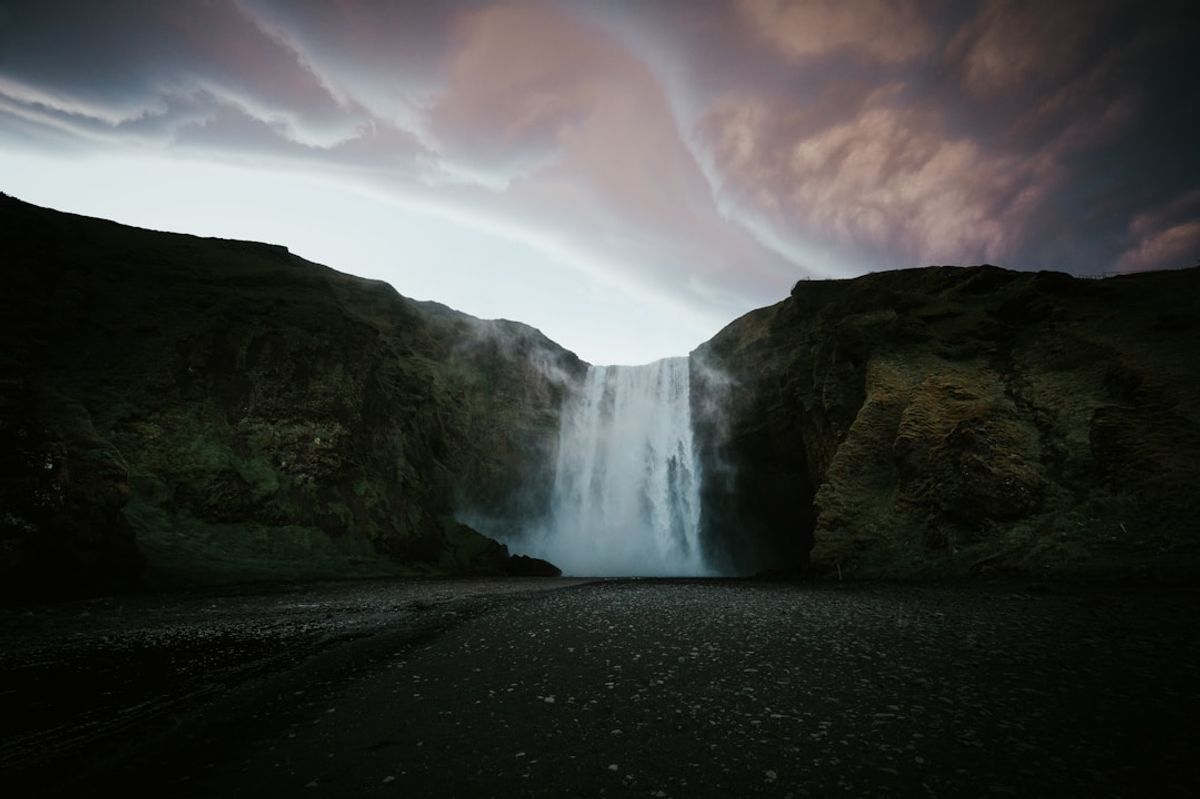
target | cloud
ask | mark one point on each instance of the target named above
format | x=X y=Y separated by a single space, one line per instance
x=208 y=78
x=1096 y=89
x=387 y=57
x=584 y=135
x=886 y=30
x=116 y=61
x=889 y=180
x=524 y=113
x=202 y=123
x=1011 y=44
x=708 y=153
x=1173 y=247
x=1165 y=238
x=226 y=130
x=521 y=81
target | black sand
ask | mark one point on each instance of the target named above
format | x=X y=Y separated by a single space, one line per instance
x=623 y=688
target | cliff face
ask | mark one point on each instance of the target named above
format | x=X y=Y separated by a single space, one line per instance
x=198 y=409
x=949 y=421
x=179 y=410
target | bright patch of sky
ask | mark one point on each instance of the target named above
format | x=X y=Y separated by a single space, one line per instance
x=423 y=254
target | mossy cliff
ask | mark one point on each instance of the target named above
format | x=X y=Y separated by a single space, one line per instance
x=176 y=409
x=179 y=410
x=954 y=421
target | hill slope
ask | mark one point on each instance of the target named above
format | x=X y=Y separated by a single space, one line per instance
x=183 y=410
x=951 y=421
x=207 y=410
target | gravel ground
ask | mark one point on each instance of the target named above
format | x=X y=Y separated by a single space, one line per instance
x=92 y=679
x=622 y=688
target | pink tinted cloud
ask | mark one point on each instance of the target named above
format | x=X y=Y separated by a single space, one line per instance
x=1165 y=238
x=520 y=79
x=1169 y=248
x=1047 y=68
x=232 y=49
x=584 y=135
x=885 y=30
x=1012 y=43
x=880 y=133
x=385 y=56
x=889 y=179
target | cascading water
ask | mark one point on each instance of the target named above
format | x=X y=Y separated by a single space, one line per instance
x=626 y=489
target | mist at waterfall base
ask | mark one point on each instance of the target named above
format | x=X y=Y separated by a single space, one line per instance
x=626 y=499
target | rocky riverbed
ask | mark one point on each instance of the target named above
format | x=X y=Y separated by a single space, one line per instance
x=625 y=688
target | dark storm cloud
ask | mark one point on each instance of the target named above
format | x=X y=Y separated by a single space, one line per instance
x=387 y=51
x=1099 y=90
x=850 y=134
x=1031 y=134
x=116 y=61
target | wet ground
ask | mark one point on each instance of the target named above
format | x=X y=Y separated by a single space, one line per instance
x=618 y=688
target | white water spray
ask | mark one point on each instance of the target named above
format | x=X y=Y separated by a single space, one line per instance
x=626 y=486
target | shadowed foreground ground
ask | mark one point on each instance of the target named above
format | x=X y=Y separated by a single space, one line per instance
x=629 y=688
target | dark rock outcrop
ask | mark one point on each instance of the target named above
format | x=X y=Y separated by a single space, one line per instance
x=62 y=529
x=949 y=421
x=180 y=410
x=525 y=566
x=209 y=410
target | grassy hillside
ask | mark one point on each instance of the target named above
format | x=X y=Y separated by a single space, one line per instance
x=956 y=421
x=180 y=410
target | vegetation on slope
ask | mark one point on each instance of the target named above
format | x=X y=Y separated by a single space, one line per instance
x=197 y=410
x=953 y=421
x=183 y=410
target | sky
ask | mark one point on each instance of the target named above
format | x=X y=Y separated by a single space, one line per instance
x=626 y=176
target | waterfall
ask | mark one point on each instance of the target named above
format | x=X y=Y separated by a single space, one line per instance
x=626 y=489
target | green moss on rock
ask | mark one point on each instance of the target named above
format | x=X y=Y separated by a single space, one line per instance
x=957 y=421
x=227 y=411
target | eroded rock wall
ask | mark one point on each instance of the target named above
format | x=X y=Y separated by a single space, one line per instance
x=953 y=421
x=218 y=410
